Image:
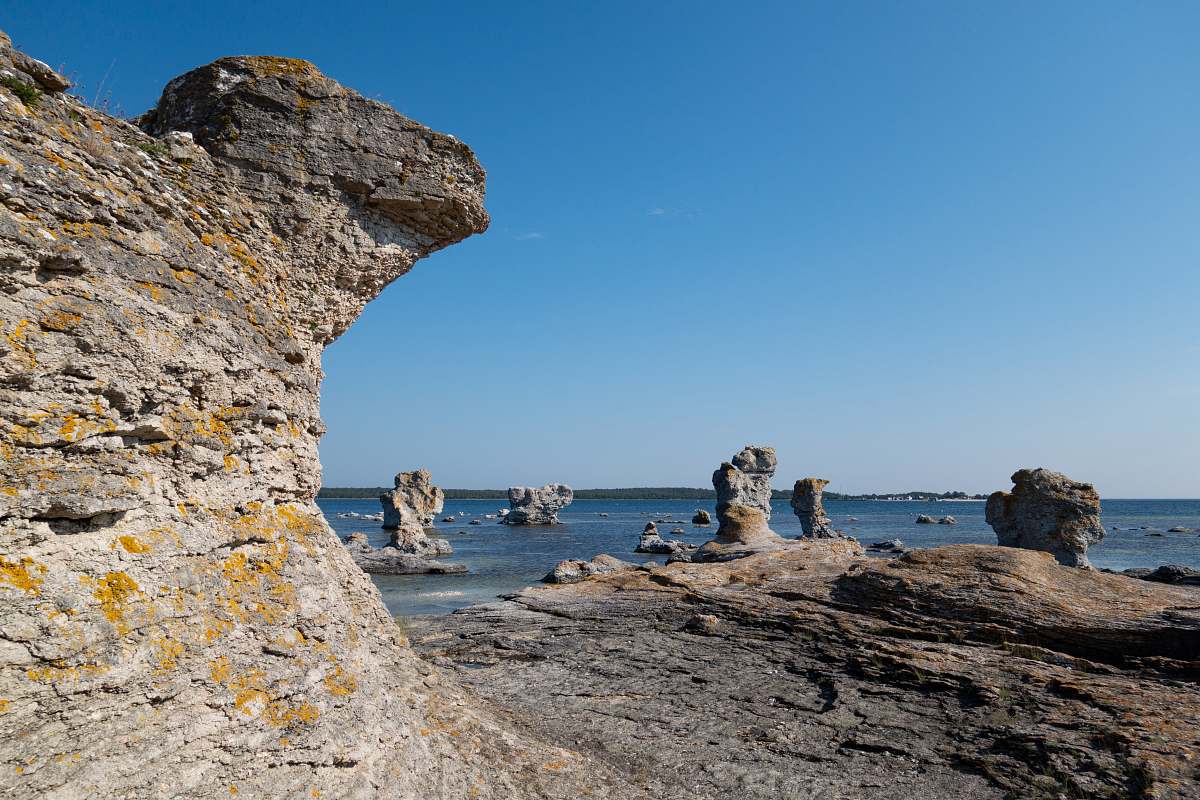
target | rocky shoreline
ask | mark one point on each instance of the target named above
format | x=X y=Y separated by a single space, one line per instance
x=814 y=671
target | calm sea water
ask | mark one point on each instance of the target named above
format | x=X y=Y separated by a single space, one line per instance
x=503 y=559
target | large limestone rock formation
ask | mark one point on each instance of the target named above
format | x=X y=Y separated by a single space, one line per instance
x=176 y=618
x=806 y=502
x=1047 y=511
x=530 y=506
x=413 y=503
x=743 y=506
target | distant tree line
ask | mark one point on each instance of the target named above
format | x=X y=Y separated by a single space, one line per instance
x=644 y=493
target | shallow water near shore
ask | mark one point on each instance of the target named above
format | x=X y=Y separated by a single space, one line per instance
x=503 y=559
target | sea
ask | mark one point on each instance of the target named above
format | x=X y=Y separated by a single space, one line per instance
x=503 y=559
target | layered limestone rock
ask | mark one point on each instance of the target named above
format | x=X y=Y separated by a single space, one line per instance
x=816 y=672
x=743 y=488
x=177 y=617
x=414 y=501
x=532 y=506
x=806 y=502
x=1047 y=511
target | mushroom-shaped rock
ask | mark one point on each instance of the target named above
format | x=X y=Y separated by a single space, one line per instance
x=414 y=501
x=743 y=488
x=806 y=502
x=530 y=506
x=1047 y=511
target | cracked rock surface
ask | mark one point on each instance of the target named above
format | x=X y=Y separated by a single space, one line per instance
x=176 y=617
x=815 y=672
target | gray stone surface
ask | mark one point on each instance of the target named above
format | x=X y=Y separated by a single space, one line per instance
x=806 y=502
x=576 y=570
x=537 y=506
x=816 y=672
x=1050 y=512
x=176 y=617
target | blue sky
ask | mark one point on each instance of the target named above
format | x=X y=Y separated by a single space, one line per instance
x=911 y=245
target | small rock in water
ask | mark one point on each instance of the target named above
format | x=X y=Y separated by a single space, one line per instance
x=531 y=506
x=604 y=513
x=651 y=542
x=1168 y=573
x=925 y=519
x=474 y=522
x=701 y=518
x=449 y=519
x=947 y=521
x=678 y=531
x=574 y=570
x=1179 y=529
x=887 y=545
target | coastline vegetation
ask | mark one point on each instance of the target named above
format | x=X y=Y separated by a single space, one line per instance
x=642 y=493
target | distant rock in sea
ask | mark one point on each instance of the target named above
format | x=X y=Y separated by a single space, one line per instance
x=701 y=517
x=947 y=520
x=652 y=542
x=743 y=507
x=925 y=519
x=414 y=501
x=392 y=560
x=1050 y=512
x=532 y=506
x=806 y=502
x=887 y=546
x=1176 y=574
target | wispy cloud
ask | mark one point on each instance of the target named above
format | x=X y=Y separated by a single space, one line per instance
x=656 y=212
x=659 y=211
x=525 y=237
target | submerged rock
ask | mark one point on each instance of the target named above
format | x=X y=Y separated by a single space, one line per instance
x=575 y=570
x=1168 y=573
x=1047 y=511
x=701 y=517
x=414 y=501
x=532 y=506
x=925 y=519
x=743 y=507
x=806 y=502
x=947 y=521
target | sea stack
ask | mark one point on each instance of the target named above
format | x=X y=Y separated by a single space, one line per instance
x=743 y=506
x=1047 y=511
x=806 y=502
x=530 y=506
x=413 y=503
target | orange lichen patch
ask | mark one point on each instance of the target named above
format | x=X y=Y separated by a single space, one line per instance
x=57 y=161
x=155 y=292
x=59 y=671
x=75 y=427
x=114 y=592
x=231 y=463
x=554 y=765
x=184 y=276
x=340 y=683
x=206 y=239
x=274 y=66
x=17 y=574
x=84 y=230
x=4 y=704
x=168 y=652
x=60 y=321
x=132 y=544
x=252 y=697
x=18 y=341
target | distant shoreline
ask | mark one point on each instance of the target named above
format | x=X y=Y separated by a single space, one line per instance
x=652 y=493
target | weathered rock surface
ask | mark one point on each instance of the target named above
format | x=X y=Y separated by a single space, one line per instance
x=177 y=618
x=743 y=488
x=414 y=501
x=652 y=542
x=574 y=570
x=955 y=672
x=1047 y=511
x=806 y=502
x=701 y=517
x=532 y=506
